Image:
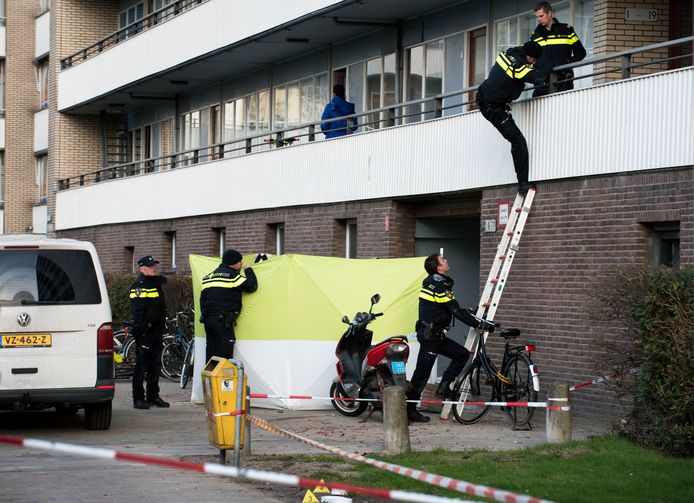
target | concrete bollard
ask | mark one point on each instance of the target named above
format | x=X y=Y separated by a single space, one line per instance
x=558 y=421
x=396 y=430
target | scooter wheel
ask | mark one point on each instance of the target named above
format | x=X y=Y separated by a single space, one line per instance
x=342 y=404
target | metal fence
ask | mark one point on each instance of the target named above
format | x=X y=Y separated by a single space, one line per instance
x=397 y=114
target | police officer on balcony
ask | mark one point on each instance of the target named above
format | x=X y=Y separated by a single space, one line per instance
x=149 y=315
x=220 y=302
x=560 y=46
x=437 y=307
x=506 y=81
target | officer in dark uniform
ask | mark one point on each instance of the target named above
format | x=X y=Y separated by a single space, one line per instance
x=149 y=315
x=506 y=81
x=560 y=46
x=220 y=302
x=437 y=306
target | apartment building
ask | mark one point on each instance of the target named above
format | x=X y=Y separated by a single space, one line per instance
x=173 y=127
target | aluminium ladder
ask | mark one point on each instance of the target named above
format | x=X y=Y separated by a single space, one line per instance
x=496 y=282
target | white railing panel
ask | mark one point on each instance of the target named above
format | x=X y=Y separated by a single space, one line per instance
x=2 y=133
x=39 y=219
x=43 y=34
x=175 y=42
x=41 y=130
x=3 y=41
x=607 y=129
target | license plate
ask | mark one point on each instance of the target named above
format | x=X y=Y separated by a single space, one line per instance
x=26 y=341
x=397 y=367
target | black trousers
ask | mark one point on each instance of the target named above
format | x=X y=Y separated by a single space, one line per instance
x=500 y=117
x=428 y=351
x=147 y=366
x=220 y=338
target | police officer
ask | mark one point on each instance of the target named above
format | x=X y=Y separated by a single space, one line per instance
x=506 y=81
x=437 y=306
x=560 y=46
x=220 y=302
x=149 y=314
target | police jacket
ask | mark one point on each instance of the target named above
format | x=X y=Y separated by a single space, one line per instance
x=560 y=45
x=222 y=288
x=148 y=304
x=338 y=107
x=508 y=77
x=437 y=304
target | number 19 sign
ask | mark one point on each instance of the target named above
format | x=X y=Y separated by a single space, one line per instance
x=640 y=14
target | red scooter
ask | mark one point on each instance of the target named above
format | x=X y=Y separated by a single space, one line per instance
x=364 y=370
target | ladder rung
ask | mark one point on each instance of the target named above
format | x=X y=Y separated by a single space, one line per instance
x=518 y=209
x=494 y=281
x=502 y=257
x=510 y=233
x=486 y=304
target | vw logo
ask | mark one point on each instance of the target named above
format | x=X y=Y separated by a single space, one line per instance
x=23 y=319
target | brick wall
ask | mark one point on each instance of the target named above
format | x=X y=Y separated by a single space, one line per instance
x=21 y=101
x=308 y=230
x=74 y=141
x=576 y=231
x=613 y=34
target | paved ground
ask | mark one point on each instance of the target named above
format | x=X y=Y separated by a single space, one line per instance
x=180 y=433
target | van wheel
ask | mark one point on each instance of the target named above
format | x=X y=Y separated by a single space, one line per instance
x=98 y=416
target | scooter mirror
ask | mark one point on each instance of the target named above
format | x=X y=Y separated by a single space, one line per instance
x=375 y=299
x=345 y=320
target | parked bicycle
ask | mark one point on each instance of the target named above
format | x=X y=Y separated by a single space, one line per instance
x=124 y=350
x=480 y=381
x=176 y=344
x=187 y=368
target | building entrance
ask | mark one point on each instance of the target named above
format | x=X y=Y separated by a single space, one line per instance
x=460 y=240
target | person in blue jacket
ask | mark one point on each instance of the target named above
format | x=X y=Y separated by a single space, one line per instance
x=338 y=107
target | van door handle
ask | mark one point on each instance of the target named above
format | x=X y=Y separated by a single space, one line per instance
x=28 y=370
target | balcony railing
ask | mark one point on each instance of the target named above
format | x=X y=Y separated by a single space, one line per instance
x=149 y=21
x=384 y=117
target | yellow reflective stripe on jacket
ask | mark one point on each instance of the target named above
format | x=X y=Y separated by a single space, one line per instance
x=223 y=282
x=557 y=40
x=149 y=293
x=514 y=73
x=440 y=298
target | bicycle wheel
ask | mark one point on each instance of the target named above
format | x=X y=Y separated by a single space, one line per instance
x=119 y=337
x=520 y=389
x=130 y=353
x=476 y=386
x=187 y=368
x=172 y=360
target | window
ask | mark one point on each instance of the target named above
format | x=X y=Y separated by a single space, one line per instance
x=41 y=183
x=44 y=5
x=664 y=239
x=48 y=276
x=280 y=239
x=220 y=239
x=172 y=248
x=129 y=259
x=2 y=87
x=247 y=116
x=300 y=102
x=130 y=16
x=351 y=239
x=380 y=88
x=190 y=133
x=2 y=179
x=423 y=77
x=42 y=82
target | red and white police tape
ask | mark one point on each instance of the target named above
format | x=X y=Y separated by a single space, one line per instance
x=632 y=371
x=430 y=478
x=226 y=471
x=543 y=405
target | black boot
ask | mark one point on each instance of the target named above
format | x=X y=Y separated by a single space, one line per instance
x=443 y=389
x=524 y=187
x=414 y=416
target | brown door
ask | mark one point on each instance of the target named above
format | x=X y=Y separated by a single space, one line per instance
x=477 y=57
x=680 y=26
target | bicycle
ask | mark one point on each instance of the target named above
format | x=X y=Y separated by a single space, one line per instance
x=124 y=351
x=175 y=345
x=188 y=360
x=480 y=381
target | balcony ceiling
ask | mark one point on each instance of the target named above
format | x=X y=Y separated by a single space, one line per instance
x=343 y=21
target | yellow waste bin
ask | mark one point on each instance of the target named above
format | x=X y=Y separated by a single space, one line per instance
x=220 y=387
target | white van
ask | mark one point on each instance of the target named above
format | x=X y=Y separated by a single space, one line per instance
x=56 y=339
